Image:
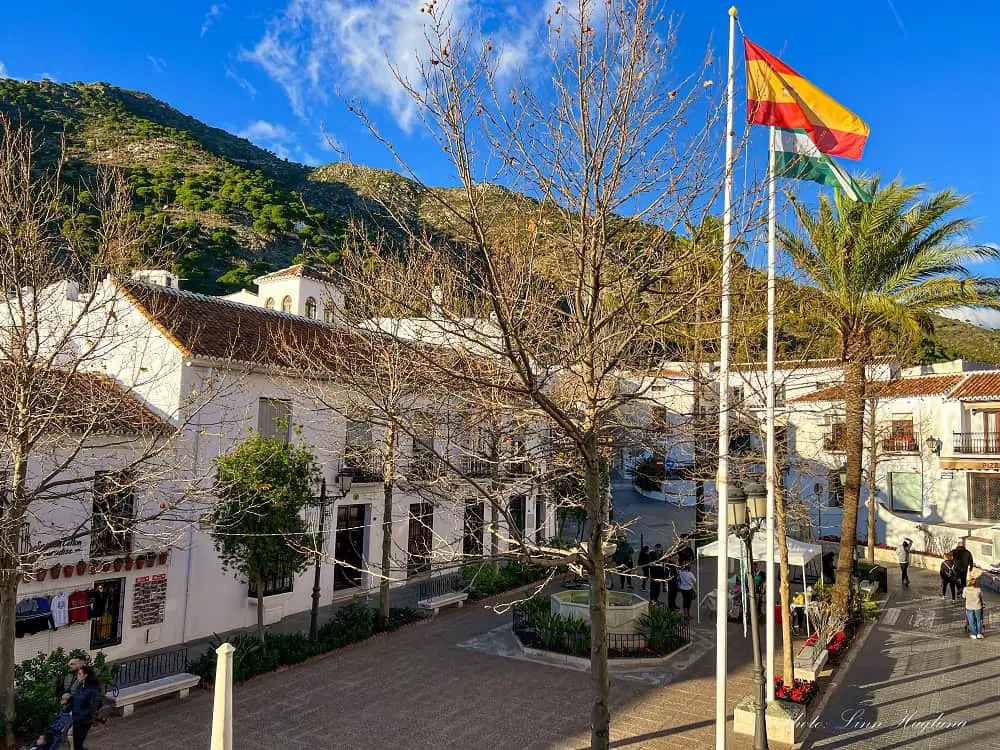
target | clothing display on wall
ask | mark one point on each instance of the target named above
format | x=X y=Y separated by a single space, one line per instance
x=39 y=613
x=79 y=607
x=33 y=616
x=60 y=609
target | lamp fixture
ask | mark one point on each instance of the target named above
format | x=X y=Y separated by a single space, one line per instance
x=934 y=445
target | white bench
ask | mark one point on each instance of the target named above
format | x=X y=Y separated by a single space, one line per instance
x=178 y=683
x=443 y=600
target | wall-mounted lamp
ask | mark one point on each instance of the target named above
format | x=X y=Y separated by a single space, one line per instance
x=934 y=445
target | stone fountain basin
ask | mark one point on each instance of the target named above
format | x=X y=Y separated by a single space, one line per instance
x=623 y=608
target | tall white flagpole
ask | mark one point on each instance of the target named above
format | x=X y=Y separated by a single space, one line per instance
x=722 y=480
x=770 y=457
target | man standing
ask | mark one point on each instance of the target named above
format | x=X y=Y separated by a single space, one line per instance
x=70 y=681
x=673 y=583
x=657 y=574
x=963 y=562
x=903 y=555
x=623 y=562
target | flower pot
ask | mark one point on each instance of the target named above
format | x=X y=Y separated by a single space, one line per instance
x=81 y=568
x=54 y=571
x=129 y=562
x=118 y=563
x=40 y=574
x=150 y=559
x=140 y=563
x=94 y=566
x=68 y=571
x=106 y=567
x=164 y=556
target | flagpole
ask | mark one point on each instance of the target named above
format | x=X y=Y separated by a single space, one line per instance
x=722 y=480
x=770 y=456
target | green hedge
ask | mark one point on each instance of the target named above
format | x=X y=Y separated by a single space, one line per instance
x=353 y=622
x=483 y=579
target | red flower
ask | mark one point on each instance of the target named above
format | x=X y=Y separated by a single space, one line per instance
x=798 y=695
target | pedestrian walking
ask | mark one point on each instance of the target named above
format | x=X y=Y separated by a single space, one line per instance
x=686 y=585
x=974 y=608
x=84 y=704
x=643 y=564
x=963 y=562
x=70 y=681
x=623 y=562
x=673 y=582
x=903 y=556
x=949 y=577
x=685 y=555
x=657 y=573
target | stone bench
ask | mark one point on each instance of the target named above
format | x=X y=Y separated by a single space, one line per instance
x=129 y=696
x=434 y=603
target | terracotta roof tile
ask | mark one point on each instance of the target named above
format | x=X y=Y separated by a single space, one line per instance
x=216 y=328
x=300 y=269
x=933 y=385
x=981 y=386
x=800 y=364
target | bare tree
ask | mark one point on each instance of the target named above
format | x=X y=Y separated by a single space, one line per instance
x=60 y=416
x=577 y=294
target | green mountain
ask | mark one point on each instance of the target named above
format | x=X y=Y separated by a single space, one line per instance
x=229 y=211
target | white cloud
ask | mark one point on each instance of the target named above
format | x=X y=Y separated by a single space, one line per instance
x=983 y=318
x=263 y=131
x=3 y=71
x=158 y=63
x=48 y=77
x=243 y=83
x=316 y=45
x=211 y=17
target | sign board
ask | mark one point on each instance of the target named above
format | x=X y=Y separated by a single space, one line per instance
x=160 y=577
x=142 y=579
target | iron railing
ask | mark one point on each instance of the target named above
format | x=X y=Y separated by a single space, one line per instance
x=900 y=445
x=476 y=466
x=145 y=669
x=438 y=586
x=576 y=642
x=976 y=442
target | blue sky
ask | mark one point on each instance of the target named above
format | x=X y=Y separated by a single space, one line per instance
x=924 y=75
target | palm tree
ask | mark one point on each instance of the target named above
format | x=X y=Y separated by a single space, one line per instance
x=881 y=269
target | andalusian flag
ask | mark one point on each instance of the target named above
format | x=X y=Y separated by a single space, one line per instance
x=796 y=156
x=778 y=96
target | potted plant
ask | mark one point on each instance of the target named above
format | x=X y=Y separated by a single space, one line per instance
x=164 y=556
x=140 y=563
x=54 y=571
x=81 y=568
x=129 y=562
x=117 y=564
x=40 y=574
x=150 y=559
x=106 y=566
x=94 y=566
x=68 y=571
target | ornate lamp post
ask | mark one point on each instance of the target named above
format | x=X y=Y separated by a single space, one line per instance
x=747 y=510
x=344 y=480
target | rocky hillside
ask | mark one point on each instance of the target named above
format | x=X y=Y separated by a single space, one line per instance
x=231 y=210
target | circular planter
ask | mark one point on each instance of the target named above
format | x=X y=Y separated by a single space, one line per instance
x=150 y=559
x=164 y=556
x=140 y=563
x=68 y=571
x=94 y=566
x=129 y=562
x=54 y=571
x=106 y=567
x=118 y=565
x=81 y=568
x=40 y=574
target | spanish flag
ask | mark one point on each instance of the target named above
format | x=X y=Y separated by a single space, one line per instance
x=777 y=95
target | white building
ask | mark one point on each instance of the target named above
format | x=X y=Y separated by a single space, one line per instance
x=221 y=370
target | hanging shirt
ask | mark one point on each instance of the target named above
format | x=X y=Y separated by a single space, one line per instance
x=79 y=605
x=60 y=609
x=27 y=608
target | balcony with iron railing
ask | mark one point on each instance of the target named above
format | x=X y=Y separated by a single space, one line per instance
x=901 y=444
x=976 y=443
x=367 y=464
x=475 y=466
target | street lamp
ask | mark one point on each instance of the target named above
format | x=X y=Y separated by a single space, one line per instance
x=747 y=512
x=344 y=480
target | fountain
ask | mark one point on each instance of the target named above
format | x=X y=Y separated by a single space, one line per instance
x=623 y=608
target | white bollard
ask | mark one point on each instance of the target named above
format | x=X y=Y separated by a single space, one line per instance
x=222 y=713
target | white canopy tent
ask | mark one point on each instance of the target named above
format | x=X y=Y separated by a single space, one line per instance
x=799 y=554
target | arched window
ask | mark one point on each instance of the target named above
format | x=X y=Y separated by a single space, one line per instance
x=270 y=303
x=286 y=304
x=310 y=307
x=329 y=313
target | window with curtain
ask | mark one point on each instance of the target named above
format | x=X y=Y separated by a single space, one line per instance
x=905 y=492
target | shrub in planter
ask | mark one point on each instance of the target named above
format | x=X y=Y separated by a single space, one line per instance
x=81 y=568
x=800 y=691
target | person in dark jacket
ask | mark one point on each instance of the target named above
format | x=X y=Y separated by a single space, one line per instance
x=643 y=564
x=657 y=573
x=949 y=577
x=623 y=562
x=84 y=704
x=673 y=570
x=963 y=562
x=685 y=555
x=70 y=681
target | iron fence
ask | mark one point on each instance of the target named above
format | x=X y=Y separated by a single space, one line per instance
x=574 y=640
x=438 y=586
x=148 y=668
x=973 y=442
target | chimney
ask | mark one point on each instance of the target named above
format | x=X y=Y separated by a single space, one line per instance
x=157 y=276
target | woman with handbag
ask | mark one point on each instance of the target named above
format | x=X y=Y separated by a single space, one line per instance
x=949 y=577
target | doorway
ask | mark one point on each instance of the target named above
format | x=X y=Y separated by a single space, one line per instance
x=349 y=546
x=107 y=612
x=420 y=539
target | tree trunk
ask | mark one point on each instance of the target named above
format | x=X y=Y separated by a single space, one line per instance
x=597 y=515
x=8 y=611
x=389 y=470
x=872 y=467
x=784 y=587
x=260 y=608
x=495 y=500
x=854 y=403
